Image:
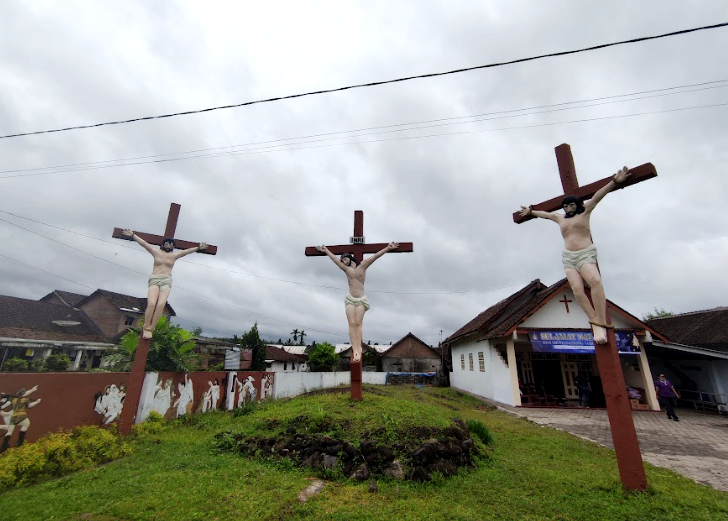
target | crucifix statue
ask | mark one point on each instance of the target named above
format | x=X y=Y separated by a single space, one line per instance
x=580 y=254
x=354 y=265
x=160 y=281
x=580 y=264
x=160 y=284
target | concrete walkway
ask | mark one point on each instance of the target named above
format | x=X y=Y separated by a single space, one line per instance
x=696 y=446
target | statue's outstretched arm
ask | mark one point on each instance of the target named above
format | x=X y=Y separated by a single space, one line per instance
x=331 y=256
x=617 y=179
x=127 y=232
x=389 y=247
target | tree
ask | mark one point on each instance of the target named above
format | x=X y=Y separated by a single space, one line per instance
x=295 y=334
x=323 y=358
x=301 y=335
x=658 y=313
x=251 y=340
x=171 y=349
x=56 y=362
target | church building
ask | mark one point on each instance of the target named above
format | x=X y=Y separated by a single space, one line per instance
x=528 y=349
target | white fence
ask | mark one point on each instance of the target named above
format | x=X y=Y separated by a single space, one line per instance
x=287 y=385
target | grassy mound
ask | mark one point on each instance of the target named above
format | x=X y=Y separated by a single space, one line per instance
x=386 y=435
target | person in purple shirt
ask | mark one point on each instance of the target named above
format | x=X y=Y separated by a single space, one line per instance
x=666 y=395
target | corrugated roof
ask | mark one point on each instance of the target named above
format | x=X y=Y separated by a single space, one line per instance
x=708 y=328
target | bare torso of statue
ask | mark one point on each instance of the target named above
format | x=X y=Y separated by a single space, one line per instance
x=160 y=282
x=163 y=262
x=356 y=303
x=580 y=254
x=575 y=231
x=356 y=277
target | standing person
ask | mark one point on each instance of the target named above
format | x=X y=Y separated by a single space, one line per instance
x=666 y=395
x=580 y=254
x=356 y=301
x=160 y=281
x=582 y=383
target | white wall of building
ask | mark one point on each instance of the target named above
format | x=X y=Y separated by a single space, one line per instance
x=553 y=314
x=286 y=367
x=289 y=384
x=494 y=382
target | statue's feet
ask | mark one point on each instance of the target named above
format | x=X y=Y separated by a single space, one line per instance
x=147 y=333
x=355 y=357
x=600 y=332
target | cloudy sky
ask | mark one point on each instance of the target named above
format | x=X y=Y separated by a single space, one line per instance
x=441 y=162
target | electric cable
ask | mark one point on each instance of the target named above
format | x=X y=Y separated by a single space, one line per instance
x=115 y=243
x=376 y=83
x=339 y=134
x=382 y=140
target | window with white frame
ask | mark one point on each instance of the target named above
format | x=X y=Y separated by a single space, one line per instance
x=470 y=360
x=462 y=362
x=481 y=362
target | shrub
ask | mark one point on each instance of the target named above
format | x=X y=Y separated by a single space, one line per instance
x=15 y=365
x=56 y=362
x=478 y=428
x=149 y=428
x=59 y=453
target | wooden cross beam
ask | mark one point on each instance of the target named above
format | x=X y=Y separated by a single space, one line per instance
x=567 y=171
x=136 y=377
x=169 y=231
x=619 y=410
x=357 y=246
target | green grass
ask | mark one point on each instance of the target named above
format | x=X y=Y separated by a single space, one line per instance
x=535 y=473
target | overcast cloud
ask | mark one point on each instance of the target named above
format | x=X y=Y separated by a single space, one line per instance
x=662 y=243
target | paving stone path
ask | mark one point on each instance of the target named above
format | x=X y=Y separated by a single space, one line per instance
x=696 y=446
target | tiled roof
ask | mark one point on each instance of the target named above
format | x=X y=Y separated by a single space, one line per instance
x=33 y=320
x=122 y=301
x=500 y=319
x=496 y=313
x=71 y=299
x=708 y=329
x=280 y=355
x=513 y=316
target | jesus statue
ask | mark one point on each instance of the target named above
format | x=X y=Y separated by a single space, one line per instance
x=160 y=281
x=580 y=254
x=356 y=301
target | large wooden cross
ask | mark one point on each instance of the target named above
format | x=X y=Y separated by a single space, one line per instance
x=619 y=411
x=136 y=377
x=358 y=247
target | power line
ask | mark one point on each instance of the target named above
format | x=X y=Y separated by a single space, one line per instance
x=372 y=84
x=115 y=243
x=586 y=103
x=44 y=271
x=292 y=148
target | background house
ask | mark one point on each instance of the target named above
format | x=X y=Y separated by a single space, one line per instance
x=411 y=355
x=33 y=330
x=279 y=360
x=113 y=313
